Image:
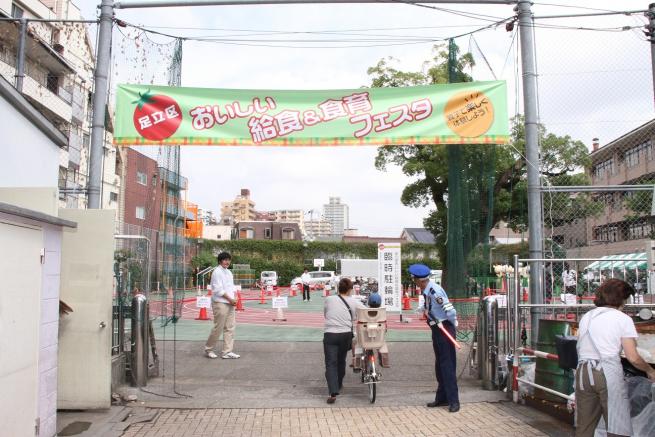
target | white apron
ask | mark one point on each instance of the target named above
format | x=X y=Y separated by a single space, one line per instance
x=618 y=405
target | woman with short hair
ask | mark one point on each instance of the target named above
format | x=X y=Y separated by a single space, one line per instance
x=340 y=314
x=600 y=389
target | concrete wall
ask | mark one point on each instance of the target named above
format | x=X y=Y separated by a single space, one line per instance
x=28 y=157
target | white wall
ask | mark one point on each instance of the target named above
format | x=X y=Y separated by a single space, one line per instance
x=29 y=158
x=211 y=232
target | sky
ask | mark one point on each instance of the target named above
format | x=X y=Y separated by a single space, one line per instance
x=591 y=84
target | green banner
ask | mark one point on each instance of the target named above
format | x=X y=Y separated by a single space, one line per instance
x=461 y=113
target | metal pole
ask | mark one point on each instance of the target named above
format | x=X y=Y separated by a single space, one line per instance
x=101 y=84
x=20 y=56
x=651 y=37
x=515 y=306
x=535 y=221
x=140 y=319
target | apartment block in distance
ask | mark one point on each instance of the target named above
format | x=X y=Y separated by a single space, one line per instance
x=240 y=209
x=266 y=230
x=337 y=214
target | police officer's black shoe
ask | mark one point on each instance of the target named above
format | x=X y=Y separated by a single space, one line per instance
x=437 y=404
x=454 y=408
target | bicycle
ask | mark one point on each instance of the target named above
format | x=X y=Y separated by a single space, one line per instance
x=371 y=328
x=370 y=375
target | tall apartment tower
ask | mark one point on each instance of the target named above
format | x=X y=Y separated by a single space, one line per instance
x=337 y=214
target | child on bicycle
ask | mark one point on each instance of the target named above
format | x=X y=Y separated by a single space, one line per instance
x=374 y=301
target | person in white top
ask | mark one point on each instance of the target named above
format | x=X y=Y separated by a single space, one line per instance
x=305 y=285
x=600 y=390
x=223 y=303
x=569 y=280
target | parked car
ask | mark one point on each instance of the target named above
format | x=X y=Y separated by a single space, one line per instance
x=268 y=278
x=323 y=277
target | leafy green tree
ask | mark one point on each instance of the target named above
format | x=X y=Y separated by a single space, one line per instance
x=428 y=165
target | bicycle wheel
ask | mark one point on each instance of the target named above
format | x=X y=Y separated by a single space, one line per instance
x=372 y=386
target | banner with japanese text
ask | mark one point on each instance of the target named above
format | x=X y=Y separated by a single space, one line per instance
x=389 y=274
x=461 y=113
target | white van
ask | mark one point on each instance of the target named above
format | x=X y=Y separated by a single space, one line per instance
x=268 y=278
x=323 y=277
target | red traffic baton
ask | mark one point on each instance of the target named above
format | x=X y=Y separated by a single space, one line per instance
x=448 y=336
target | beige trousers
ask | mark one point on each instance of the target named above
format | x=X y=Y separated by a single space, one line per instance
x=224 y=322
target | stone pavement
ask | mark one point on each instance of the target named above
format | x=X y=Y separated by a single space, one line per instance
x=474 y=419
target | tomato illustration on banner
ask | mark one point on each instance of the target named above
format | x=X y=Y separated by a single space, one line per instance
x=156 y=116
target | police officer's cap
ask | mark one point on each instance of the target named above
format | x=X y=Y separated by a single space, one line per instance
x=419 y=271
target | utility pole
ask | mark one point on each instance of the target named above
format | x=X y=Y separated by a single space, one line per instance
x=535 y=219
x=101 y=90
x=651 y=37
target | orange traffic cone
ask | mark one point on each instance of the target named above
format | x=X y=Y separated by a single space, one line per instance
x=239 y=302
x=406 y=302
x=277 y=291
x=292 y=291
x=262 y=299
x=269 y=290
x=203 y=314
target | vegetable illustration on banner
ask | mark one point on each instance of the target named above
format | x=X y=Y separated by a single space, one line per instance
x=471 y=112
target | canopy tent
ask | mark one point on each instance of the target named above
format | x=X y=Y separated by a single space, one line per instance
x=635 y=260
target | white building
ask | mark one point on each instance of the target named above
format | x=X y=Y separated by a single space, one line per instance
x=59 y=64
x=337 y=214
x=217 y=232
x=317 y=229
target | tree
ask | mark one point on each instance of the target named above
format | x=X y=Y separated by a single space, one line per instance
x=428 y=165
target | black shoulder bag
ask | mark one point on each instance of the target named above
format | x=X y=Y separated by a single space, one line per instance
x=352 y=322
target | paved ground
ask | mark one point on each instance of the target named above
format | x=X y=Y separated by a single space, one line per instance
x=278 y=388
x=474 y=419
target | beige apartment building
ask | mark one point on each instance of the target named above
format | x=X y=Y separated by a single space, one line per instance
x=624 y=223
x=59 y=64
x=242 y=208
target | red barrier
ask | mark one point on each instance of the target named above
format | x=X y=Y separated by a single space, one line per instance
x=262 y=299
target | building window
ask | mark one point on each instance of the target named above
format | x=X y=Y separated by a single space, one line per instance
x=632 y=156
x=639 y=230
x=113 y=197
x=288 y=234
x=52 y=83
x=17 y=11
x=604 y=168
x=246 y=234
x=267 y=233
x=140 y=212
x=141 y=178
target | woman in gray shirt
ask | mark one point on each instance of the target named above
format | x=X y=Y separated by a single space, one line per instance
x=340 y=316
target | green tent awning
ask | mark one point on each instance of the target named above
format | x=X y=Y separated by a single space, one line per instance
x=635 y=260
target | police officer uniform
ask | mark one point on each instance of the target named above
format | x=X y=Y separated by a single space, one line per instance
x=440 y=310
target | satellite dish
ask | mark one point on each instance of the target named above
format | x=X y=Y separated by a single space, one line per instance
x=645 y=314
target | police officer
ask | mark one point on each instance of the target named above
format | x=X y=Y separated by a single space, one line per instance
x=440 y=311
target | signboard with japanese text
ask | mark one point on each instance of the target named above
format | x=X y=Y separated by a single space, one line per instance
x=389 y=272
x=459 y=113
x=203 y=302
x=280 y=302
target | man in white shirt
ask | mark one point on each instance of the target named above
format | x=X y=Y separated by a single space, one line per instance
x=223 y=303
x=305 y=285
